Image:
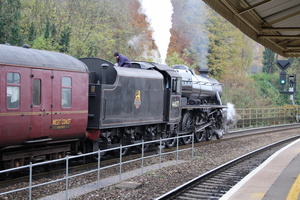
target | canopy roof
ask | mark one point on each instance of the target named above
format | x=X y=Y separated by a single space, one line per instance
x=273 y=23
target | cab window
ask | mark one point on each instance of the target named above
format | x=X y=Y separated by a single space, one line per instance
x=176 y=85
x=66 y=93
x=13 y=90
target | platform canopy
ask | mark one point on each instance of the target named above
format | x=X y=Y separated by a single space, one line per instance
x=273 y=23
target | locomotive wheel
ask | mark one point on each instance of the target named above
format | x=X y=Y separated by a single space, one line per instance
x=186 y=140
x=200 y=120
x=139 y=137
x=125 y=140
x=209 y=134
x=146 y=146
x=172 y=142
x=220 y=131
x=172 y=133
x=187 y=124
x=199 y=136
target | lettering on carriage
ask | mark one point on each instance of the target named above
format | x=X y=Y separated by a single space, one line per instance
x=61 y=123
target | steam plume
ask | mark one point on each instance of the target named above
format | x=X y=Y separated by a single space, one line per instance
x=159 y=14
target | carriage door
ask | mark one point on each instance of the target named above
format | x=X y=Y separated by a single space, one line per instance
x=41 y=101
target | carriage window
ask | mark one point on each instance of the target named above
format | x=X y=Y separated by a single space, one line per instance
x=36 y=93
x=13 y=90
x=66 y=93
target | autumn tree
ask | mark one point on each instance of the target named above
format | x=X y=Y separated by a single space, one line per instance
x=188 y=34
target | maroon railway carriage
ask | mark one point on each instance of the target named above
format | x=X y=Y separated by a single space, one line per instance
x=43 y=104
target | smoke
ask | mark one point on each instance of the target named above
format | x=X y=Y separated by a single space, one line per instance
x=198 y=32
x=203 y=40
x=159 y=15
x=230 y=117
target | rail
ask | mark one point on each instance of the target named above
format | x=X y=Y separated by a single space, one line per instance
x=216 y=182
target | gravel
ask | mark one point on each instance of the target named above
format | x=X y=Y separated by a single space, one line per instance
x=207 y=157
x=155 y=183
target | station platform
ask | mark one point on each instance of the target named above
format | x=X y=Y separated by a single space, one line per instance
x=278 y=178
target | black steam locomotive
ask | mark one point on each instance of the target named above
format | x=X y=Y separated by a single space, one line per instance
x=52 y=104
x=149 y=101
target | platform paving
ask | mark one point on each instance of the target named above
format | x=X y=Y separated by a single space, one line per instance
x=273 y=179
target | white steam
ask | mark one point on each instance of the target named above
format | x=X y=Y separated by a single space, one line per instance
x=230 y=116
x=138 y=44
x=159 y=14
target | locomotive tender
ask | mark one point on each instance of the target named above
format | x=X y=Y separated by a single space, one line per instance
x=52 y=104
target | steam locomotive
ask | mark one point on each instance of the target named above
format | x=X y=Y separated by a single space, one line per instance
x=52 y=104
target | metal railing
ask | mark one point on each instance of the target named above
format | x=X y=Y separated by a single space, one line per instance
x=98 y=154
x=260 y=117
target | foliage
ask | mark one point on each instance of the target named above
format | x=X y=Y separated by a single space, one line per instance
x=175 y=59
x=268 y=85
x=295 y=66
x=269 y=61
x=42 y=43
x=241 y=90
x=9 y=22
x=228 y=47
x=64 y=41
x=86 y=28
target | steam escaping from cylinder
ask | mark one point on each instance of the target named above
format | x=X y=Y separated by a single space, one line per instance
x=159 y=15
x=230 y=117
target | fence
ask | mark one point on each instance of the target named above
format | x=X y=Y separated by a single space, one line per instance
x=259 y=117
x=98 y=154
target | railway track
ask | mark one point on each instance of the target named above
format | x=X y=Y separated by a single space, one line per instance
x=261 y=130
x=215 y=183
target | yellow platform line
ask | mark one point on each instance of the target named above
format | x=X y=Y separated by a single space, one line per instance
x=257 y=196
x=295 y=190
